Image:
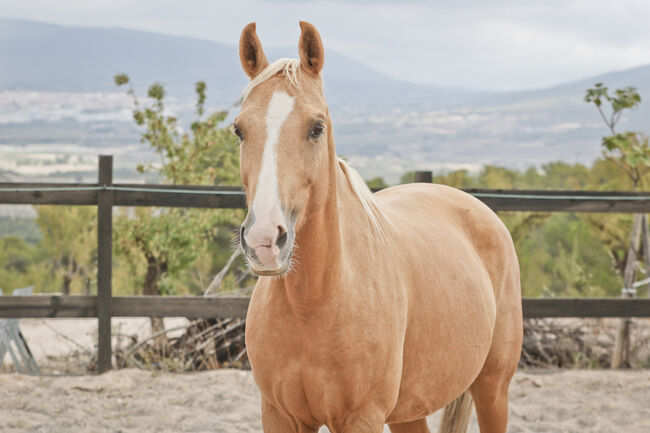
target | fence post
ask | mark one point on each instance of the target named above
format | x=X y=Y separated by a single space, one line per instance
x=104 y=263
x=423 y=177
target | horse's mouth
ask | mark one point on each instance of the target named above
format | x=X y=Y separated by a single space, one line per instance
x=270 y=272
x=258 y=269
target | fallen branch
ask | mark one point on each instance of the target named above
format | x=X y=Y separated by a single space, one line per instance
x=152 y=337
x=216 y=281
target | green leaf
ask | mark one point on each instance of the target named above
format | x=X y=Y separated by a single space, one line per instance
x=121 y=79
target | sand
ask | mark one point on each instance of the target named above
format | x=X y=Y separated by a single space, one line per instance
x=554 y=401
x=65 y=346
x=228 y=401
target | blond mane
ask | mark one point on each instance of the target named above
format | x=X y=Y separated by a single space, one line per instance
x=375 y=213
x=289 y=67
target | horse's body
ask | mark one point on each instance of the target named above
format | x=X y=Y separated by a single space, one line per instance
x=397 y=304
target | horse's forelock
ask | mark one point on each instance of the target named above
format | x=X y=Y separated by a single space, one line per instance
x=289 y=67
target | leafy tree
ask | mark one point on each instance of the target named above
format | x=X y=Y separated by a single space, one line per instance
x=498 y=177
x=16 y=261
x=408 y=177
x=631 y=152
x=63 y=260
x=457 y=179
x=69 y=240
x=376 y=182
x=161 y=245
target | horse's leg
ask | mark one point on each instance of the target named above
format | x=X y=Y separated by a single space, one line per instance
x=490 y=394
x=490 y=389
x=417 y=426
x=274 y=422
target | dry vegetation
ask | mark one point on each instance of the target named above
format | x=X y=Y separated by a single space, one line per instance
x=562 y=343
x=203 y=345
x=581 y=343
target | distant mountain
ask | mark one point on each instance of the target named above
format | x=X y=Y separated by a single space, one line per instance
x=385 y=126
x=48 y=57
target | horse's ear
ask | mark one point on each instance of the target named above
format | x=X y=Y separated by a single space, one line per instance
x=251 y=54
x=310 y=48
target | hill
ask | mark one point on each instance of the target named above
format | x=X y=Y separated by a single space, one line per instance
x=48 y=57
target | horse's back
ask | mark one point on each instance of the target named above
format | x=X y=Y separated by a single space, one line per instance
x=464 y=289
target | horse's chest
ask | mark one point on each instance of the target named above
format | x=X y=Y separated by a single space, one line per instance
x=318 y=370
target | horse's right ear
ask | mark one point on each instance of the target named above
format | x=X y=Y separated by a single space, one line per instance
x=252 y=57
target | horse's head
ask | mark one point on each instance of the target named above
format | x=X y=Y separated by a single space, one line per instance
x=285 y=132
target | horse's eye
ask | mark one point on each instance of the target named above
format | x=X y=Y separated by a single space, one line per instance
x=317 y=130
x=237 y=132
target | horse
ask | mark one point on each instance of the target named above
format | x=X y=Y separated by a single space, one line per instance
x=369 y=309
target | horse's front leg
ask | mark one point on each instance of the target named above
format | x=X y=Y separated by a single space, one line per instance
x=273 y=421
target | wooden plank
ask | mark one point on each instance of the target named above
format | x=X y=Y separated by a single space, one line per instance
x=222 y=198
x=57 y=306
x=104 y=263
x=198 y=307
x=153 y=186
x=175 y=306
x=44 y=193
x=554 y=201
x=48 y=306
x=599 y=307
x=233 y=197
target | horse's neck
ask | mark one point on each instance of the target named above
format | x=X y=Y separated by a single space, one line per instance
x=320 y=242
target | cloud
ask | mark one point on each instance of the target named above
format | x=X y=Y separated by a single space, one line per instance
x=503 y=44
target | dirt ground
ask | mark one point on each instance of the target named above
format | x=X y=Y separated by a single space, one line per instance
x=228 y=401
x=68 y=399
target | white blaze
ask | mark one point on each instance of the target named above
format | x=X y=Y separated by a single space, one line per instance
x=266 y=204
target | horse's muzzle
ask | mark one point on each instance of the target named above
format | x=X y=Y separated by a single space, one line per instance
x=268 y=250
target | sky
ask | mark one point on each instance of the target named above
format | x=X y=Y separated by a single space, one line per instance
x=479 y=44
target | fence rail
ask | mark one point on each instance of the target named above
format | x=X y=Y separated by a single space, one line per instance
x=105 y=195
x=59 y=306
x=221 y=197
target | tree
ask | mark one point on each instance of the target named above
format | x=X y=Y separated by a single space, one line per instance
x=408 y=177
x=161 y=245
x=16 y=260
x=376 y=182
x=69 y=240
x=631 y=152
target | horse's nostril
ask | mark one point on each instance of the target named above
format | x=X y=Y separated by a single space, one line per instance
x=281 y=241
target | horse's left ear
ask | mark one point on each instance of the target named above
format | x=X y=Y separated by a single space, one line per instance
x=310 y=48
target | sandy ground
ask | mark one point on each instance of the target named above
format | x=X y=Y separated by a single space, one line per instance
x=228 y=401
x=67 y=399
x=65 y=346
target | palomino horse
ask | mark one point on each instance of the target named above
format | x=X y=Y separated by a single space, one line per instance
x=369 y=309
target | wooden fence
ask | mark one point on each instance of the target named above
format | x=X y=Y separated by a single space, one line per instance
x=105 y=195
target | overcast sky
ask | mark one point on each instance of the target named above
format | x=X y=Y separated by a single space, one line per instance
x=483 y=44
